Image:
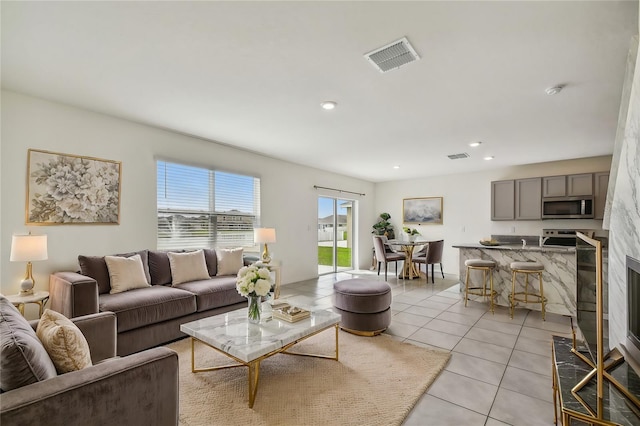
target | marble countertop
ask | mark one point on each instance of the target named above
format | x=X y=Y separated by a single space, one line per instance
x=516 y=247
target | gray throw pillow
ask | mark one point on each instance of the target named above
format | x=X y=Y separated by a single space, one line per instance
x=96 y=268
x=23 y=359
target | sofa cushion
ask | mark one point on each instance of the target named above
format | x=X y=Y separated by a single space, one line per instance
x=212 y=261
x=96 y=268
x=229 y=261
x=23 y=359
x=185 y=267
x=160 y=268
x=144 y=306
x=126 y=273
x=64 y=342
x=213 y=293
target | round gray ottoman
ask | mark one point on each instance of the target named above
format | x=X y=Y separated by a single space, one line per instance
x=365 y=305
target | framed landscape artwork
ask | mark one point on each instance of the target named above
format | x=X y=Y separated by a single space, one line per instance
x=423 y=211
x=65 y=189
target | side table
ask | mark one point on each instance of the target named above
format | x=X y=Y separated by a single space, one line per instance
x=40 y=298
x=275 y=267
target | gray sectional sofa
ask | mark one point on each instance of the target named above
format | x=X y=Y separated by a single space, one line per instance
x=150 y=316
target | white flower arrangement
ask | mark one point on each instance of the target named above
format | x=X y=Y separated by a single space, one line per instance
x=253 y=281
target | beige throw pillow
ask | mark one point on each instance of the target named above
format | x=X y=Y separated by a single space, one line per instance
x=189 y=266
x=64 y=342
x=229 y=261
x=126 y=273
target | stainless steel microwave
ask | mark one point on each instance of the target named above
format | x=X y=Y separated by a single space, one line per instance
x=567 y=208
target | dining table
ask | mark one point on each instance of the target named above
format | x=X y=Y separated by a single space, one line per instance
x=409 y=270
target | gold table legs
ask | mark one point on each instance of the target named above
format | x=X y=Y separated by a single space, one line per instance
x=40 y=304
x=254 y=365
x=409 y=270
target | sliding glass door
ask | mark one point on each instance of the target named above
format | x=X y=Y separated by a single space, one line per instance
x=335 y=235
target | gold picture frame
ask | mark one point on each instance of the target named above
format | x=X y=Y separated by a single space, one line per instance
x=67 y=189
x=422 y=211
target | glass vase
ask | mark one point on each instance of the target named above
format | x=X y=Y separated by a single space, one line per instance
x=255 y=309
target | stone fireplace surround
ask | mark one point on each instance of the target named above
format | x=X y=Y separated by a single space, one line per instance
x=622 y=212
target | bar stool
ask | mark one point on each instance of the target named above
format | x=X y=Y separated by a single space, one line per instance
x=486 y=266
x=526 y=268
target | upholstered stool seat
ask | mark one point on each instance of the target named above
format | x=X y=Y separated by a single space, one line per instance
x=487 y=267
x=479 y=262
x=365 y=305
x=526 y=268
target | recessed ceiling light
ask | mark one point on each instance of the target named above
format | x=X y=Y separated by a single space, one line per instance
x=328 y=105
x=475 y=144
x=396 y=167
x=554 y=90
x=489 y=157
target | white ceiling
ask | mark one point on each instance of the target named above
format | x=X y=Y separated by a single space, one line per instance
x=253 y=74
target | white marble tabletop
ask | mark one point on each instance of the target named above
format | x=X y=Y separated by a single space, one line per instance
x=408 y=243
x=232 y=333
x=37 y=296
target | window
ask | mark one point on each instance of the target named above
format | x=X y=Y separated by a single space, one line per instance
x=200 y=208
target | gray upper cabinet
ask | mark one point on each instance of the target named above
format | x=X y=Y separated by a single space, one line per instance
x=554 y=186
x=601 y=183
x=580 y=184
x=502 y=196
x=571 y=185
x=528 y=199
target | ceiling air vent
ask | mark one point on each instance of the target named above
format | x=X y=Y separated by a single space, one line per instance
x=458 y=156
x=393 y=55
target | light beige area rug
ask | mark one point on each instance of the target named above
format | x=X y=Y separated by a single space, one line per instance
x=376 y=382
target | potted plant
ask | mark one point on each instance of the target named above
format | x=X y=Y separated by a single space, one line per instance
x=411 y=232
x=383 y=226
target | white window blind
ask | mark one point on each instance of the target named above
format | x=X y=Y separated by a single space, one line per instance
x=199 y=208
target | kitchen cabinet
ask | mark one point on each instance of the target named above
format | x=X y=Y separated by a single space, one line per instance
x=528 y=199
x=554 y=186
x=601 y=185
x=502 y=200
x=567 y=186
x=581 y=184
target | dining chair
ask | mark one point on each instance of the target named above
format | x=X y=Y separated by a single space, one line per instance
x=432 y=256
x=384 y=256
x=387 y=246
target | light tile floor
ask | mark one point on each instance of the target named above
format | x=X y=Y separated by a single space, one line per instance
x=500 y=369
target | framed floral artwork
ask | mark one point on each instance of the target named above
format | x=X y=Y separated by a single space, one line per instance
x=423 y=211
x=65 y=189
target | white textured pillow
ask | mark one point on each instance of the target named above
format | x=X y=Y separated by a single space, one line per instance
x=229 y=261
x=64 y=342
x=187 y=267
x=126 y=273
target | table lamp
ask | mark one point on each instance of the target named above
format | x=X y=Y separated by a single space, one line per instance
x=28 y=248
x=265 y=236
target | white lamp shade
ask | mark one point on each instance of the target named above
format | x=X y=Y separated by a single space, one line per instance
x=27 y=248
x=264 y=235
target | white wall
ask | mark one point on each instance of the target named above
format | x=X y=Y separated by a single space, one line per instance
x=467 y=204
x=289 y=201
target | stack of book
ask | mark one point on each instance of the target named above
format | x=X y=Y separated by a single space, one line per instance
x=290 y=313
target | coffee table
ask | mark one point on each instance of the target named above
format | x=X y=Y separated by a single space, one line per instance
x=249 y=344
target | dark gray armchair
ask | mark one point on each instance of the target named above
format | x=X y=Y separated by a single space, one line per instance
x=140 y=389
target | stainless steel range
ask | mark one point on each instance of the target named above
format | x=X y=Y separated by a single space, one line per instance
x=563 y=237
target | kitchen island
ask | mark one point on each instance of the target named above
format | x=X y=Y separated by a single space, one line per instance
x=558 y=278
